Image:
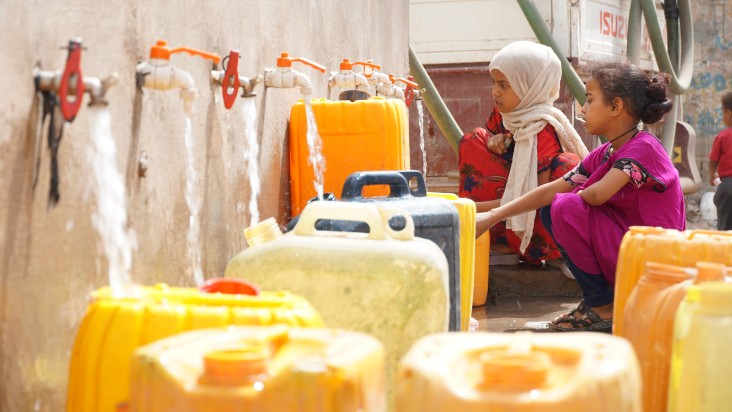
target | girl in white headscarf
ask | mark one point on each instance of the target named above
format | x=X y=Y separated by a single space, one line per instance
x=531 y=138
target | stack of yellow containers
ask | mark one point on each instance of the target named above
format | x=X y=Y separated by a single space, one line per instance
x=113 y=327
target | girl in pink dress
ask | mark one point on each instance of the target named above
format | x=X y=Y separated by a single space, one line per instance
x=628 y=181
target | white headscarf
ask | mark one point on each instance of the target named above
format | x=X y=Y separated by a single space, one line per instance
x=534 y=73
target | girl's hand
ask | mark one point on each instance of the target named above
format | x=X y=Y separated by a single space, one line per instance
x=498 y=143
x=484 y=221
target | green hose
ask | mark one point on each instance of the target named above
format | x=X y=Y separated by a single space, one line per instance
x=447 y=124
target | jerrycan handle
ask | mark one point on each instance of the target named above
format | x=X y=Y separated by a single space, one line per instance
x=418 y=178
x=373 y=216
x=354 y=184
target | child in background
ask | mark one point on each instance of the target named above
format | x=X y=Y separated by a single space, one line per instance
x=627 y=181
x=720 y=166
x=532 y=143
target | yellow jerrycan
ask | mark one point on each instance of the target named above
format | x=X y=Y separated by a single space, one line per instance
x=521 y=372
x=113 y=327
x=649 y=320
x=370 y=134
x=482 y=269
x=643 y=244
x=701 y=361
x=259 y=368
x=385 y=283
x=466 y=213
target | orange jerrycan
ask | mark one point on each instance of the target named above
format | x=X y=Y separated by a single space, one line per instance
x=259 y=368
x=643 y=244
x=371 y=134
x=701 y=361
x=386 y=283
x=466 y=214
x=521 y=372
x=649 y=319
x=113 y=327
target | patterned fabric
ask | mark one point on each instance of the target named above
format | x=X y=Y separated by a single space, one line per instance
x=483 y=176
x=638 y=176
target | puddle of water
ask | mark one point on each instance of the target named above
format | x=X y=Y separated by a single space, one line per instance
x=110 y=215
x=420 y=113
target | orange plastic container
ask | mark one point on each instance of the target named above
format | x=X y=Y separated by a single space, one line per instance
x=521 y=372
x=701 y=360
x=643 y=244
x=371 y=134
x=482 y=269
x=466 y=213
x=273 y=368
x=649 y=319
x=113 y=327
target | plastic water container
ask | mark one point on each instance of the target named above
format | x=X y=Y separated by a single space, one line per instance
x=701 y=360
x=386 y=283
x=521 y=372
x=643 y=244
x=482 y=269
x=371 y=134
x=435 y=219
x=466 y=212
x=273 y=369
x=707 y=208
x=649 y=319
x=113 y=327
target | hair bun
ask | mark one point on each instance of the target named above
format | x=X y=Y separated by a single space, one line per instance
x=657 y=89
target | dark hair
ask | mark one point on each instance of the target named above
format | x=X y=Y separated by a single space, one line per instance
x=727 y=101
x=643 y=95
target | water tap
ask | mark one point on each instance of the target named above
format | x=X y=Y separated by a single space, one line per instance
x=390 y=89
x=70 y=84
x=412 y=93
x=157 y=73
x=231 y=81
x=348 y=79
x=284 y=76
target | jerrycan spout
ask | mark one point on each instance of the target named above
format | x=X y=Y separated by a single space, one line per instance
x=263 y=232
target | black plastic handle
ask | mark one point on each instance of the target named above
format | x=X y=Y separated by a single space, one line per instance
x=354 y=184
x=421 y=190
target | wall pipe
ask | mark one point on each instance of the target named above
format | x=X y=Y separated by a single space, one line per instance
x=447 y=124
x=541 y=31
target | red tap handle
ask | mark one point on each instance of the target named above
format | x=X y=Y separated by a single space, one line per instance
x=69 y=109
x=409 y=92
x=230 y=84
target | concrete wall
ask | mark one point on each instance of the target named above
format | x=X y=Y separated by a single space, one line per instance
x=50 y=257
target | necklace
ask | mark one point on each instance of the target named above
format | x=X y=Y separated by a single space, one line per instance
x=612 y=149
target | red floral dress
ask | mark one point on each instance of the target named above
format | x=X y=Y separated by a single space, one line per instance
x=483 y=176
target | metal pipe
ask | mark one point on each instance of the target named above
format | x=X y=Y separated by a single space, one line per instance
x=434 y=102
x=671 y=13
x=541 y=31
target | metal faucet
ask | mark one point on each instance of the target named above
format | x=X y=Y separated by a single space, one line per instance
x=284 y=76
x=157 y=73
x=231 y=81
x=70 y=84
x=348 y=79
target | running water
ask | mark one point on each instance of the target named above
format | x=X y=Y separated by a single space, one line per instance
x=250 y=156
x=314 y=145
x=420 y=113
x=193 y=200
x=110 y=217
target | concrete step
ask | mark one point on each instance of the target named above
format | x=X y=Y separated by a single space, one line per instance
x=524 y=280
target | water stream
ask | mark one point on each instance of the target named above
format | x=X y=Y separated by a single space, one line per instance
x=420 y=113
x=193 y=200
x=315 y=158
x=110 y=216
x=251 y=156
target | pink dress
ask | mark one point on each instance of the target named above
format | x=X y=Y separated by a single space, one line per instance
x=591 y=235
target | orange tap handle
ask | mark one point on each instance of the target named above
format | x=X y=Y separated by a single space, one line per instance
x=231 y=79
x=286 y=61
x=368 y=68
x=396 y=79
x=162 y=51
x=70 y=109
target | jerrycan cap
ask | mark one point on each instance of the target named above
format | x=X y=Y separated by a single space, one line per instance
x=504 y=370
x=715 y=298
x=229 y=286
x=708 y=272
x=237 y=365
